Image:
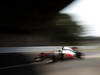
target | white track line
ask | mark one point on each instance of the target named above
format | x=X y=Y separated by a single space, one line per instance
x=92 y=56
x=15 y=66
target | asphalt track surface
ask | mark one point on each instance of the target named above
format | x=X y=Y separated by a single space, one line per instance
x=88 y=66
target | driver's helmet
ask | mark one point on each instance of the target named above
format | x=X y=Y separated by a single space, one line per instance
x=66 y=48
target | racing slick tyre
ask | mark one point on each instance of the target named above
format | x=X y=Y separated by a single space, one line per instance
x=79 y=55
x=54 y=59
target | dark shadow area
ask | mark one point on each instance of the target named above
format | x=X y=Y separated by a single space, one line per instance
x=8 y=60
x=11 y=59
x=25 y=23
x=32 y=23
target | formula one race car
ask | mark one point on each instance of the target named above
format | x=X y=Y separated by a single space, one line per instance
x=65 y=53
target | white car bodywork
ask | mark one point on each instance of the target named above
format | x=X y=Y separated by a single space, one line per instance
x=67 y=50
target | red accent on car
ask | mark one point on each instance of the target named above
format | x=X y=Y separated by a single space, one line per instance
x=74 y=48
x=69 y=56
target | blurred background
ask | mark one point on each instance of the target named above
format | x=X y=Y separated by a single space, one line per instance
x=45 y=23
x=33 y=26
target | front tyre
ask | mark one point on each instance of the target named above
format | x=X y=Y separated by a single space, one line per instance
x=79 y=55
